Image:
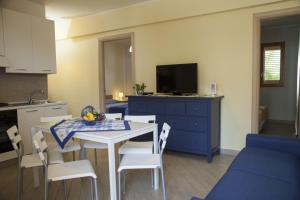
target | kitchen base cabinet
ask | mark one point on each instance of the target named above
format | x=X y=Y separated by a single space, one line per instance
x=194 y=121
x=29 y=117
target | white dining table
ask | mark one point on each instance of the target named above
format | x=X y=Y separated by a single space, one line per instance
x=110 y=138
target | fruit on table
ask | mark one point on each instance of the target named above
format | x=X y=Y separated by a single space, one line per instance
x=89 y=117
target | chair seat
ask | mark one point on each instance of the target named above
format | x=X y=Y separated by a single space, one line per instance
x=69 y=147
x=31 y=160
x=139 y=161
x=94 y=145
x=55 y=157
x=70 y=170
x=131 y=147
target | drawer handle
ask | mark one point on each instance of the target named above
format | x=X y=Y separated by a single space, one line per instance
x=57 y=108
x=21 y=69
x=31 y=110
x=46 y=70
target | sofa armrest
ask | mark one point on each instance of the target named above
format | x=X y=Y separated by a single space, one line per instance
x=277 y=143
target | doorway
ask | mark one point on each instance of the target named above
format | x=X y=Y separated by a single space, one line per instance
x=117 y=72
x=278 y=77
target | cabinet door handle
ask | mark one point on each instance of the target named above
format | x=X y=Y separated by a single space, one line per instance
x=31 y=110
x=57 y=108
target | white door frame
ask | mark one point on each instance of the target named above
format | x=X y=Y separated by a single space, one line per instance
x=101 y=63
x=256 y=59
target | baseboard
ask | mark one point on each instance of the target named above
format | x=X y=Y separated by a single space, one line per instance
x=7 y=156
x=231 y=152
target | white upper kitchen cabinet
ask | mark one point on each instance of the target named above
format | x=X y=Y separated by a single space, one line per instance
x=29 y=43
x=17 y=41
x=43 y=41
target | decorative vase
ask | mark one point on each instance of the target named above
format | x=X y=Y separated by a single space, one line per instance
x=139 y=92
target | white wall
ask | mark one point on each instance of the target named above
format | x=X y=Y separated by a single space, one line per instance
x=118 y=73
x=281 y=101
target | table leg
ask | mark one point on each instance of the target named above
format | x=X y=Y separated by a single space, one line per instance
x=35 y=170
x=82 y=152
x=112 y=171
x=155 y=141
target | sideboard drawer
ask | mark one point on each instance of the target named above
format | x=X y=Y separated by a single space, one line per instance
x=138 y=106
x=188 y=123
x=176 y=107
x=187 y=141
x=154 y=107
x=197 y=108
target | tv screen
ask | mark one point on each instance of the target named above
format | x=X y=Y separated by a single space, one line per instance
x=177 y=78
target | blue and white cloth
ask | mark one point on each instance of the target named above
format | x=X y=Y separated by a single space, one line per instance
x=64 y=130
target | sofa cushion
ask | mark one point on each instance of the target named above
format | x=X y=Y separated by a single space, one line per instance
x=269 y=163
x=240 y=185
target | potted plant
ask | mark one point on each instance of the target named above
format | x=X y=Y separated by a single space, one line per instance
x=139 y=88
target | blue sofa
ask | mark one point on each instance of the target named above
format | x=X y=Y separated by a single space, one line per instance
x=268 y=168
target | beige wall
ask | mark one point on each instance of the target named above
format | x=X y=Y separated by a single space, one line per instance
x=220 y=42
x=24 y=6
x=117 y=67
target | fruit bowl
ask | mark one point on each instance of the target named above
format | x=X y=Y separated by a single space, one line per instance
x=89 y=122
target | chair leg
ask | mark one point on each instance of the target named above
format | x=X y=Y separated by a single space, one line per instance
x=96 y=189
x=19 y=183
x=65 y=190
x=92 y=189
x=46 y=189
x=152 y=178
x=123 y=174
x=124 y=181
x=95 y=156
x=120 y=157
x=119 y=185
x=163 y=182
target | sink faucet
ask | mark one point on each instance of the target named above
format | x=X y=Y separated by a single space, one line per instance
x=30 y=99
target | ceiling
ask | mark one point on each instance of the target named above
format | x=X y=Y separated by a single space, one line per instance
x=282 y=21
x=56 y=9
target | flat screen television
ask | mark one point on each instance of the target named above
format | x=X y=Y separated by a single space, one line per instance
x=177 y=79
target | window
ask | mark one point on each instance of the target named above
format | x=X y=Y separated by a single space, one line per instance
x=272 y=64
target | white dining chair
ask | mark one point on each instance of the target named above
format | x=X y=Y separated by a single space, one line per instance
x=146 y=161
x=64 y=171
x=28 y=161
x=135 y=147
x=71 y=146
x=98 y=145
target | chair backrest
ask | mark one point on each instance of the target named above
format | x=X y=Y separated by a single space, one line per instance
x=113 y=116
x=16 y=139
x=140 y=118
x=40 y=145
x=55 y=119
x=163 y=137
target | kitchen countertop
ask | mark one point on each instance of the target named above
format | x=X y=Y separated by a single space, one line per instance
x=12 y=107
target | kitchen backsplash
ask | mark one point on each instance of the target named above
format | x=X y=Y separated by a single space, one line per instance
x=17 y=87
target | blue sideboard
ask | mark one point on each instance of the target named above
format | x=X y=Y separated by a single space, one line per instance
x=195 y=121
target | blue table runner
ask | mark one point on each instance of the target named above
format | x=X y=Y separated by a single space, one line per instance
x=64 y=130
